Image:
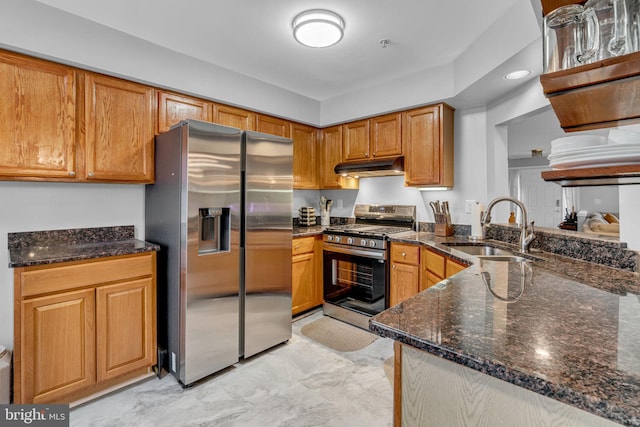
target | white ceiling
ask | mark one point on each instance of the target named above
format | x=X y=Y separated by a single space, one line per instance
x=253 y=38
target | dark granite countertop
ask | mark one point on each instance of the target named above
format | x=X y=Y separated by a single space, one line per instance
x=300 y=231
x=572 y=333
x=53 y=246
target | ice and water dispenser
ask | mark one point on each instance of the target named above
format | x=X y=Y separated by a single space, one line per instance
x=215 y=230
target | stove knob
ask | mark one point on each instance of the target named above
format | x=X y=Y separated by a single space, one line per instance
x=330 y=238
x=372 y=243
x=363 y=242
x=350 y=241
x=337 y=239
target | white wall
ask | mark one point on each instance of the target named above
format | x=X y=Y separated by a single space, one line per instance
x=31 y=206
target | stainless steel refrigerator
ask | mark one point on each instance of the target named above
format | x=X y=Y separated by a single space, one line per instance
x=220 y=208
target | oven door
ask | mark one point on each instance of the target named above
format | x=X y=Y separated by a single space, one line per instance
x=355 y=278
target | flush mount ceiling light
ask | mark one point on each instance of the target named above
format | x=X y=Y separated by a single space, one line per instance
x=318 y=28
x=515 y=75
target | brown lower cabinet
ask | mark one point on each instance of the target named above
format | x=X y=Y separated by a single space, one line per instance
x=405 y=272
x=415 y=268
x=306 y=268
x=83 y=326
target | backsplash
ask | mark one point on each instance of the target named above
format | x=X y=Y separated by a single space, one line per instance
x=334 y=220
x=458 y=229
x=75 y=236
x=610 y=253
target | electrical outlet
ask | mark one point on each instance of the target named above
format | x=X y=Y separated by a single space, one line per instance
x=468 y=206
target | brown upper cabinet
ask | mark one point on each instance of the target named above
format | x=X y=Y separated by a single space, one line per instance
x=38 y=126
x=272 y=125
x=386 y=135
x=305 y=170
x=119 y=121
x=597 y=95
x=173 y=108
x=376 y=137
x=233 y=117
x=355 y=140
x=330 y=155
x=428 y=140
x=71 y=125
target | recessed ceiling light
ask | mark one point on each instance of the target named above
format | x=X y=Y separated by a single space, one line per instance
x=515 y=75
x=318 y=28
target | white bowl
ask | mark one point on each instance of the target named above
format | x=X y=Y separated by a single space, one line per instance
x=575 y=142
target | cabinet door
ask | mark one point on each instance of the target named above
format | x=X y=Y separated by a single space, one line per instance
x=303 y=282
x=428 y=146
x=405 y=282
x=125 y=328
x=272 y=125
x=233 y=117
x=434 y=262
x=355 y=140
x=37 y=118
x=173 y=108
x=331 y=155
x=57 y=346
x=305 y=173
x=386 y=135
x=120 y=130
x=454 y=267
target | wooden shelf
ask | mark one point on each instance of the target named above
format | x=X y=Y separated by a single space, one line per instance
x=598 y=95
x=610 y=175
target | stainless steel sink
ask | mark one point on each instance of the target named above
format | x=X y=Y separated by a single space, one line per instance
x=479 y=250
x=507 y=258
x=492 y=253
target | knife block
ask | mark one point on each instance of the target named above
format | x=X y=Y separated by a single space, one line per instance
x=444 y=229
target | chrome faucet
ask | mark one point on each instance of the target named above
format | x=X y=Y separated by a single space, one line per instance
x=526 y=231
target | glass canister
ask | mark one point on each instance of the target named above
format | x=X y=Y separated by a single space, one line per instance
x=634 y=24
x=614 y=27
x=571 y=37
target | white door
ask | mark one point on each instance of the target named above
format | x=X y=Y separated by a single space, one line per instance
x=542 y=199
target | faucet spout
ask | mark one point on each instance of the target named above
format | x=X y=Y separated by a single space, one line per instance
x=526 y=230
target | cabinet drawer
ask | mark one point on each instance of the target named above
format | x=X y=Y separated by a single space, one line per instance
x=435 y=262
x=40 y=280
x=302 y=245
x=406 y=254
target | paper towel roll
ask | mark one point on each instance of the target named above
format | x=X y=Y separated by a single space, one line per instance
x=476 y=217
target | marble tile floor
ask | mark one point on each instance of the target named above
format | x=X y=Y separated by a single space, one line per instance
x=301 y=383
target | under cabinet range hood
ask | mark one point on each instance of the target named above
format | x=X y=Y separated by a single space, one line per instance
x=374 y=167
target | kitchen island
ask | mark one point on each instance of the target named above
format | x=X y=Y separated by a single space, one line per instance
x=553 y=341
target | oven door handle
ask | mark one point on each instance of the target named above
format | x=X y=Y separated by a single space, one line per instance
x=376 y=254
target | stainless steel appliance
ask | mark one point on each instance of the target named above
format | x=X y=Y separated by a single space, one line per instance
x=355 y=259
x=220 y=208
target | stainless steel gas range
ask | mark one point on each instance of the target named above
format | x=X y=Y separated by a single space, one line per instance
x=355 y=259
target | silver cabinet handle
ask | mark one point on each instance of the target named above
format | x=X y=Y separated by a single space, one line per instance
x=90 y=173
x=393 y=266
x=404 y=254
x=72 y=173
